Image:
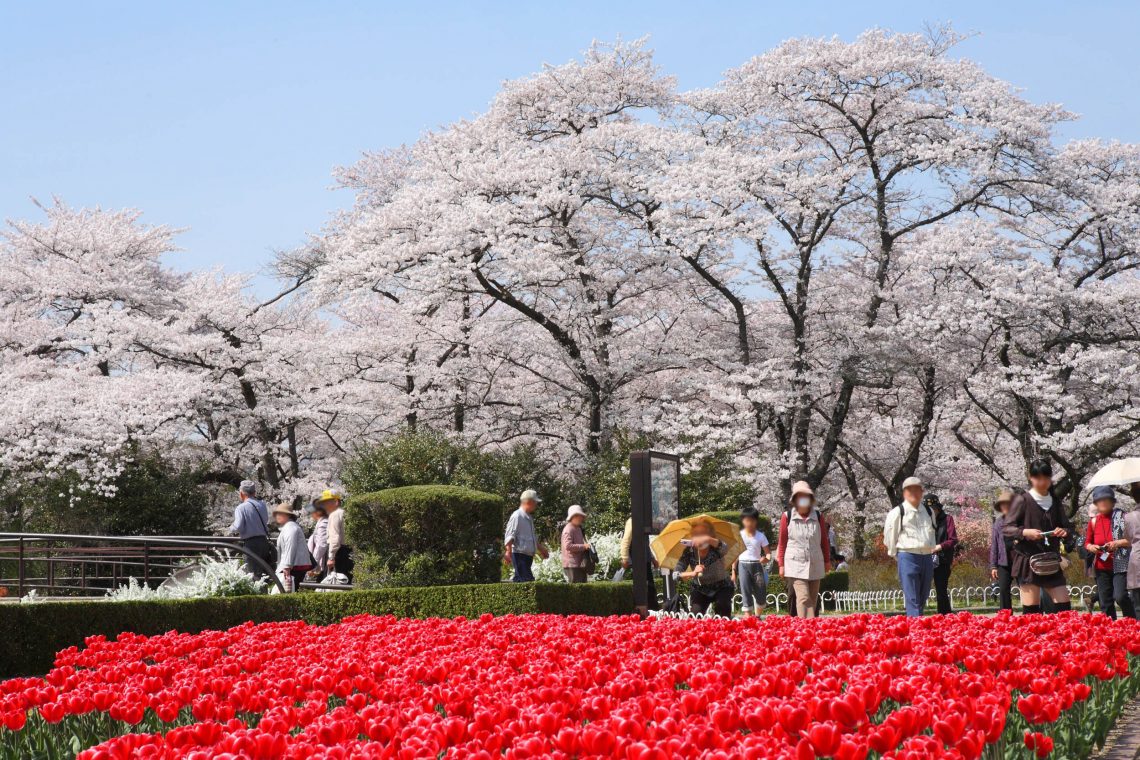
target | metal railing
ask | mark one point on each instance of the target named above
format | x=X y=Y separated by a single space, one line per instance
x=66 y=565
x=890 y=600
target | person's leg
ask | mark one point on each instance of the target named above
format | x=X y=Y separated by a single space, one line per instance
x=1059 y=595
x=1005 y=588
x=910 y=579
x=1030 y=599
x=343 y=562
x=1121 y=596
x=800 y=587
x=942 y=587
x=1104 y=592
x=722 y=604
x=298 y=578
x=793 y=608
x=926 y=563
x=1135 y=595
x=698 y=602
x=810 y=593
x=760 y=585
x=744 y=577
x=516 y=564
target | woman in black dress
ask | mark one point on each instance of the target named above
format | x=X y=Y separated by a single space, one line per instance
x=1037 y=523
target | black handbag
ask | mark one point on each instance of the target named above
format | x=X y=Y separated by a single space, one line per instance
x=592 y=561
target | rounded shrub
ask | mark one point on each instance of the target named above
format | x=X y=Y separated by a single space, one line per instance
x=425 y=536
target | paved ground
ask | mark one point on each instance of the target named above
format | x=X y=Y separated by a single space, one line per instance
x=1124 y=740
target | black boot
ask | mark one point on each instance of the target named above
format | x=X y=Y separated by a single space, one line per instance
x=1031 y=609
x=1063 y=606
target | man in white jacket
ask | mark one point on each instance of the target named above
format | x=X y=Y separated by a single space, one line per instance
x=909 y=536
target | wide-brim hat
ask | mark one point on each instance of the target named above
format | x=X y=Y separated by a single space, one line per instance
x=574 y=511
x=802 y=488
x=1103 y=492
x=1005 y=496
x=284 y=509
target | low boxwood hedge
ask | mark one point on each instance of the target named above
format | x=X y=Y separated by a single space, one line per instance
x=31 y=634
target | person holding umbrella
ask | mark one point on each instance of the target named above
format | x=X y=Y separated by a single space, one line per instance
x=703 y=563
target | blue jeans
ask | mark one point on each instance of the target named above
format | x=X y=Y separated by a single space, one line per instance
x=916 y=574
x=753 y=585
x=522 y=564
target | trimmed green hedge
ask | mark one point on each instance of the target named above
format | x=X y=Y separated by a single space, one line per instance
x=425 y=536
x=31 y=634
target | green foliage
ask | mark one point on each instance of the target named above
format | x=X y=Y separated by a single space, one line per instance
x=716 y=484
x=426 y=535
x=427 y=457
x=31 y=634
x=601 y=486
x=153 y=497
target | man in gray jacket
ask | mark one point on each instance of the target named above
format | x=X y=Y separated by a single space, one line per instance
x=520 y=542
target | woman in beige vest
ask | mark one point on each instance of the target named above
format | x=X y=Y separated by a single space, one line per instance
x=803 y=552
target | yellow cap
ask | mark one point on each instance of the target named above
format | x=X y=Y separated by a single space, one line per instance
x=328 y=495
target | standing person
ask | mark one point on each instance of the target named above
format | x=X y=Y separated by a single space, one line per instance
x=946 y=544
x=1132 y=536
x=1105 y=541
x=520 y=543
x=702 y=562
x=319 y=540
x=910 y=537
x=293 y=559
x=1038 y=526
x=340 y=553
x=1001 y=548
x=251 y=525
x=803 y=552
x=575 y=549
x=627 y=562
x=750 y=567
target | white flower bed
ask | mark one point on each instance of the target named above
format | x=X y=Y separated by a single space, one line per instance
x=214 y=577
x=608 y=546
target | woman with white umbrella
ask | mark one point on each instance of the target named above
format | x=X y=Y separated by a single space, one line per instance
x=1126 y=472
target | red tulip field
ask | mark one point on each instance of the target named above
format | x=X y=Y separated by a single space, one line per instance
x=859 y=686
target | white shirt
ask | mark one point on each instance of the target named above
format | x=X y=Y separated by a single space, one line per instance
x=753 y=546
x=913 y=534
x=1045 y=501
x=291 y=548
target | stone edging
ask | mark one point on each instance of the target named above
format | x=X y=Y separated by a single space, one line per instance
x=1123 y=741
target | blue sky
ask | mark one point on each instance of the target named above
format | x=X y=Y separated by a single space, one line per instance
x=228 y=118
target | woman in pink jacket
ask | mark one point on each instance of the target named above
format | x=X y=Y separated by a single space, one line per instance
x=575 y=549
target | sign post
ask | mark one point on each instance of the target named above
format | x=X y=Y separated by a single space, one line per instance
x=655 y=501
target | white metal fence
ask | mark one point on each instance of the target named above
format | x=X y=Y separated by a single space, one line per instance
x=961 y=598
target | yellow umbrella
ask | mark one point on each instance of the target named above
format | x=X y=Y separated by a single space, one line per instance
x=667 y=547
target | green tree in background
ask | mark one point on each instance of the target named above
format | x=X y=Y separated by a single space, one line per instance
x=153 y=497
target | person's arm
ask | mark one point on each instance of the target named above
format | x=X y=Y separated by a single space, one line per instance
x=951 y=542
x=681 y=570
x=235 y=529
x=782 y=543
x=1015 y=521
x=891 y=532
x=995 y=536
x=336 y=537
x=1090 y=537
x=825 y=543
x=627 y=544
x=511 y=534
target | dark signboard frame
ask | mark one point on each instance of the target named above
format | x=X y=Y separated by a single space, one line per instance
x=649 y=517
